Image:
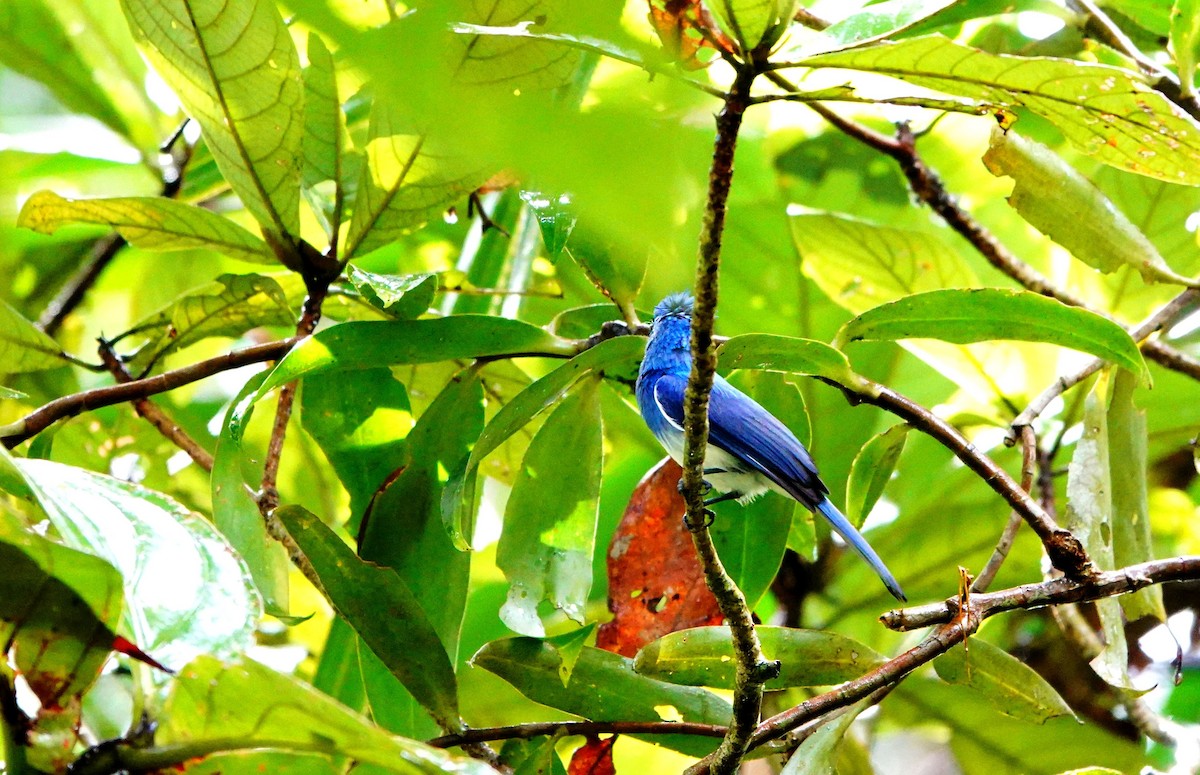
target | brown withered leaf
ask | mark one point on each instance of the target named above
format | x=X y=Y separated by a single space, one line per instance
x=685 y=27
x=593 y=758
x=655 y=581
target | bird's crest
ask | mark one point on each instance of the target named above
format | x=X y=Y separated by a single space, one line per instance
x=675 y=304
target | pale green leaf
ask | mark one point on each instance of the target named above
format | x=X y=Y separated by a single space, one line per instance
x=249 y=705
x=236 y=71
x=1185 y=42
x=877 y=21
x=749 y=21
x=770 y=352
x=703 y=656
x=871 y=470
x=818 y=754
x=1108 y=113
x=1001 y=681
x=23 y=347
x=1068 y=208
x=981 y=314
x=150 y=223
x=550 y=521
x=326 y=144
x=188 y=592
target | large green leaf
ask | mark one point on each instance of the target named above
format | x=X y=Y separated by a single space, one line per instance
x=59 y=610
x=1001 y=681
x=188 y=592
x=383 y=611
x=618 y=355
x=1107 y=112
x=603 y=687
x=236 y=71
x=150 y=223
x=550 y=521
x=34 y=43
x=770 y=352
x=1065 y=206
x=236 y=514
x=981 y=314
x=218 y=706
x=703 y=656
x=363 y=345
x=24 y=347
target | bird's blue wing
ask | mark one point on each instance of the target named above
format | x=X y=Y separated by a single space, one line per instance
x=738 y=425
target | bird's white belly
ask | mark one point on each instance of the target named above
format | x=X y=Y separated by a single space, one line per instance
x=735 y=474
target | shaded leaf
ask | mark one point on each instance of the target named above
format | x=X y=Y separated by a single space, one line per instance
x=360 y=592
x=655 y=580
x=59 y=610
x=1106 y=112
x=403 y=296
x=149 y=223
x=245 y=701
x=236 y=514
x=236 y=71
x=550 y=521
x=603 y=686
x=770 y=352
x=980 y=314
x=872 y=468
x=187 y=592
x=703 y=656
x=23 y=347
x=818 y=753
x=1001 y=681
x=1065 y=206
x=532 y=757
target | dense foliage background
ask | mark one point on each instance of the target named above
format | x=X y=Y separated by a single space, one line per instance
x=407 y=526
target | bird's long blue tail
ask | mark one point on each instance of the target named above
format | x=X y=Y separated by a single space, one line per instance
x=847 y=531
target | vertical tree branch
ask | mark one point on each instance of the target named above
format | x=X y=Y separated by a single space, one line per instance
x=752 y=668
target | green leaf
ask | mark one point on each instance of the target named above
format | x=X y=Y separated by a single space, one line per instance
x=407 y=178
x=1001 y=681
x=10 y=394
x=550 y=521
x=609 y=267
x=188 y=593
x=482 y=59
x=370 y=344
x=244 y=704
x=750 y=21
x=229 y=306
x=703 y=656
x=236 y=514
x=555 y=217
x=23 y=347
x=603 y=687
x=326 y=144
x=872 y=468
x=59 y=610
x=1090 y=517
x=1185 y=42
x=403 y=296
x=382 y=610
x=818 y=753
x=878 y=21
x=236 y=71
x=1106 y=112
x=770 y=352
x=981 y=314
x=149 y=223
x=1130 y=506
x=34 y=43
x=620 y=355
x=1068 y=208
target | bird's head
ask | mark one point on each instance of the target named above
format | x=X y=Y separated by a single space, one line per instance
x=672 y=326
x=676 y=305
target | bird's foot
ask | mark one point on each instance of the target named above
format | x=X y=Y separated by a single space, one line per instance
x=722 y=498
x=766 y=670
x=709 y=516
x=705 y=487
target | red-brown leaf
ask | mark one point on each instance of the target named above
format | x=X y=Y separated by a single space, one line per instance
x=593 y=758
x=655 y=581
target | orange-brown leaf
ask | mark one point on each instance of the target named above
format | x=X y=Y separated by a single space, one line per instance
x=593 y=758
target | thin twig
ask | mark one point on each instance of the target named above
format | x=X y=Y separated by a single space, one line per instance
x=1029 y=457
x=1053 y=592
x=753 y=670
x=155 y=414
x=88 y=400
x=1161 y=318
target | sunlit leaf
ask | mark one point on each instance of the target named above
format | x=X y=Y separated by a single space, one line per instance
x=325 y=140
x=980 y=314
x=1185 y=41
x=1106 y=112
x=150 y=223
x=403 y=296
x=236 y=71
x=873 y=467
x=1001 y=681
x=550 y=521
x=876 y=22
x=1069 y=209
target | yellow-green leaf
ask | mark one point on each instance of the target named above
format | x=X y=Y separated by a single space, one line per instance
x=1001 y=681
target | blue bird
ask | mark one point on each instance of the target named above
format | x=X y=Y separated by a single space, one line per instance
x=749 y=451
